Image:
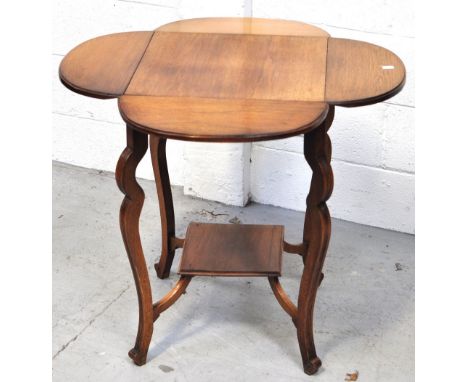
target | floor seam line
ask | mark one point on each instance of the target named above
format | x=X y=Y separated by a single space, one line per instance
x=73 y=339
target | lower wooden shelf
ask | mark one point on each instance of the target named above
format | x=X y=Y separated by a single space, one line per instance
x=232 y=250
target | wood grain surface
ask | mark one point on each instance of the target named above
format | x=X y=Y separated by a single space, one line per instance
x=211 y=119
x=130 y=210
x=231 y=79
x=247 y=25
x=232 y=250
x=232 y=66
x=166 y=205
x=316 y=236
x=359 y=73
x=102 y=67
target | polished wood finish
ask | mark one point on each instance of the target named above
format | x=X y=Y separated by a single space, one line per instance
x=229 y=80
x=317 y=229
x=232 y=250
x=166 y=207
x=249 y=25
x=222 y=66
x=359 y=73
x=203 y=119
x=298 y=249
x=283 y=298
x=171 y=297
x=102 y=67
x=176 y=242
x=137 y=144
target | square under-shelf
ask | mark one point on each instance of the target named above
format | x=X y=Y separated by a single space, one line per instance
x=232 y=250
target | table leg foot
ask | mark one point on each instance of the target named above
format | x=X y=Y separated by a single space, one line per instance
x=161 y=271
x=138 y=356
x=312 y=366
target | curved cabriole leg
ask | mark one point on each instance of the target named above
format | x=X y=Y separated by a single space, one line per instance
x=317 y=229
x=166 y=207
x=137 y=144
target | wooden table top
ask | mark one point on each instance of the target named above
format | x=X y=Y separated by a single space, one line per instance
x=231 y=79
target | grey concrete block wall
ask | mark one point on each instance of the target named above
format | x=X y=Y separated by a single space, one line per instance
x=373 y=146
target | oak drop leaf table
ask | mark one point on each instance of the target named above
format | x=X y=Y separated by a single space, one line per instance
x=229 y=80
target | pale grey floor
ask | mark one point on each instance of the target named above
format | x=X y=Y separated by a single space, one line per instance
x=229 y=329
